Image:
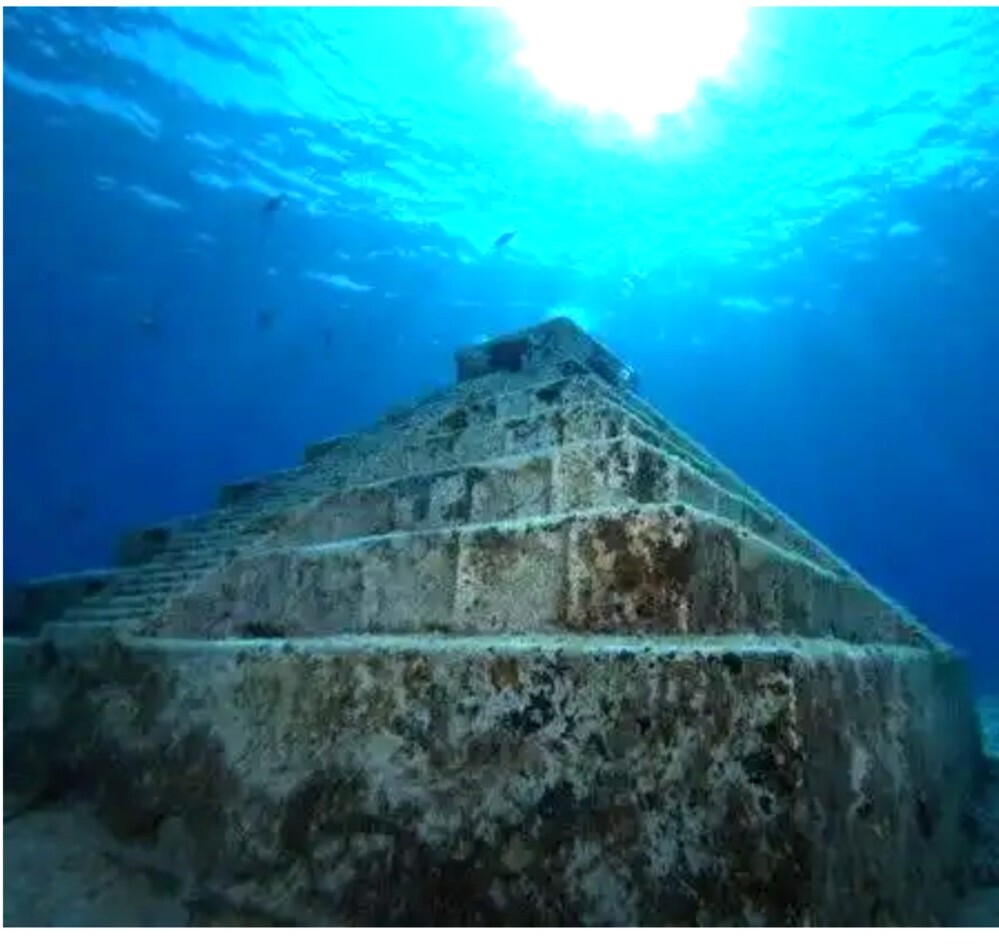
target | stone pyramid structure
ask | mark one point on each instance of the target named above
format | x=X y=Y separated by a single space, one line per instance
x=520 y=653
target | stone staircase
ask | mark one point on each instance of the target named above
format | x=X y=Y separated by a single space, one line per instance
x=522 y=651
x=560 y=419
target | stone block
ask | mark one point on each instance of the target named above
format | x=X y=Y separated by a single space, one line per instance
x=511 y=489
x=411 y=504
x=511 y=579
x=539 y=782
x=448 y=499
x=631 y=570
x=275 y=593
x=409 y=583
x=340 y=516
x=653 y=569
x=609 y=472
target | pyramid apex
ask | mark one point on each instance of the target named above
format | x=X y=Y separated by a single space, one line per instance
x=558 y=339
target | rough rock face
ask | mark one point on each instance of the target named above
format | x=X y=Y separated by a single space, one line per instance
x=520 y=653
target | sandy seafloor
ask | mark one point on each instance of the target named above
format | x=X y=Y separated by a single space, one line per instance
x=62 y=869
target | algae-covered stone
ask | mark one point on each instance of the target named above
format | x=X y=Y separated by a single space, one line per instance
x=521 y=653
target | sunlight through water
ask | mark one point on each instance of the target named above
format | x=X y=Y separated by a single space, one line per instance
x=635 y=58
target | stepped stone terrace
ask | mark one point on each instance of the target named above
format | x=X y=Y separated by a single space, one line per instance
x=520 y=653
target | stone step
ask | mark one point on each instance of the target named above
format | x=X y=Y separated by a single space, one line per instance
x=113 y=612
x=527 y=484
x=501 y=438
x=479 y=408
x=516 y=434
x=741 y=750
x=140 y=591
x=604 y=415
x=453 y=408
x=165 y=577
x=220 y=524
x=27 y=606
x=275 y=495
x=673 y=439
x=452 y=415
x=374 y=454
x=601 y=473
x=81 y=631
x=132 y=595
x=194 y=555
x=206 y=534
x=658 y=569
x=591 y=474
x=548 y=414
x=123 y=605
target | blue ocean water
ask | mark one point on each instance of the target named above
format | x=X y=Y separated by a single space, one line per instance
x=228 y=232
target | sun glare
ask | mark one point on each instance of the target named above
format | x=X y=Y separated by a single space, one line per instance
x=636 y=58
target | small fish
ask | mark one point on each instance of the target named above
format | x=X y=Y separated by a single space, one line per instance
x=504 y=238
x=265 y=317
x=327 y=339
x=273 y=204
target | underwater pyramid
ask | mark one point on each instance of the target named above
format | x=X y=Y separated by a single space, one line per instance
x=520 y=653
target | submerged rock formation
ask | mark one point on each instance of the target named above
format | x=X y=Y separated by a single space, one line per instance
x=522 y=653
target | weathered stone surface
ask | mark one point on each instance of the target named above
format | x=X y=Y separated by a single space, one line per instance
x=517 y=353
x=62 y=870
x=476 y=402
x=28 y=606
x=281 y=502
x=657 y=569
x=588 y=474
x=522 y=652
x=541 y=781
